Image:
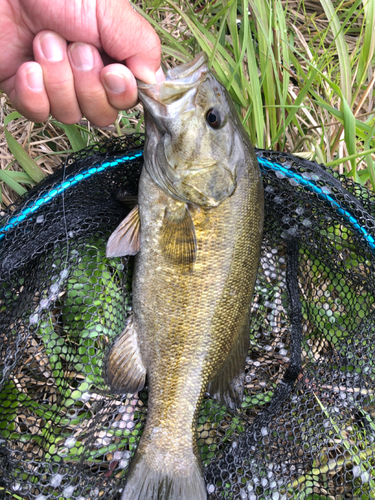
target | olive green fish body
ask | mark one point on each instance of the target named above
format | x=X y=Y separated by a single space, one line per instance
x=188 y=322
x=200 y=214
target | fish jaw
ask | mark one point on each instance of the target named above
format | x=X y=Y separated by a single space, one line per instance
x=166 y=100
x=179 y=82
x=190 y=69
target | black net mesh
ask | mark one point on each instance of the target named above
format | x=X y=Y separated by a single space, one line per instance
x=305 y=428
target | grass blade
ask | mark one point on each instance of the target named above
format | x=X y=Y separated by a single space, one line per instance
x=13 y=184
x=256 y=127
x=12 y=116
x=350 y=135
x=74 y=135
x=169 y=39
x=296 y=105
x=20 y=177
x=369 y=160
x=342 y=49
x=368 y=45
x=25 y=161
x=338 y=161
x=263 y=15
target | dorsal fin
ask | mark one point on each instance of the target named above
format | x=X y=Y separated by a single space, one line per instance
x=125 y=239
x=178 y=238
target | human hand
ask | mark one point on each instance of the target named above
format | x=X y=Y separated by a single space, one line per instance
x=52 y=55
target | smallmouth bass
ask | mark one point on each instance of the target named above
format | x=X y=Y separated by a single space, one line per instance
x=196 y=234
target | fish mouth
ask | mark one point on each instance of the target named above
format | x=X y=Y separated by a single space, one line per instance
x=178 y=83
x=188 y=70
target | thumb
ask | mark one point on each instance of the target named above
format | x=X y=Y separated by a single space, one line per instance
x=126 y=36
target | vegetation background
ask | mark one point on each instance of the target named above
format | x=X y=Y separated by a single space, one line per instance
x=301 y=73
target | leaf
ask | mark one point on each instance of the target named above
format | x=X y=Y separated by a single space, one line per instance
x=255 y=107
x=350 y=134
x=74 y=135
x=25 y=161
x=9 y=405
x=342 y=49
x=172 y=41
x=224 y=64
x=339 y=161
x=12 y=116
x=369 y=160
x=297 y=103
x=20 y=177
x=13 y=184
x=368 y=44
x=180 y=56
x=263 y=12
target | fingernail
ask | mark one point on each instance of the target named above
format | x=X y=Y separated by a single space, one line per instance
x=34 y=79
x=146 y=75
x=159 y=75
x=114 y=82
x=82 y=56
x=52 y=47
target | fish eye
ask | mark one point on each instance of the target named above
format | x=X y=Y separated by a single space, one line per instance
x=214 y=118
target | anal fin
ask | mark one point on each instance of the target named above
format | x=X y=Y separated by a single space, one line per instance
x=227 y=385
x=125 y=239
x=126 y=372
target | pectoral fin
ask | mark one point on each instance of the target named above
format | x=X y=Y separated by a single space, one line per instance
x=178 y=238
x=227 y=385
x=125 y=370
x=125 y=239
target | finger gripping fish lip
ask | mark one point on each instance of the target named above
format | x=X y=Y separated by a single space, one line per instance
x=178 y=81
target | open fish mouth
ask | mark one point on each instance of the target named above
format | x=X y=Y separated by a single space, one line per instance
x=190 y=69
x=179 y=81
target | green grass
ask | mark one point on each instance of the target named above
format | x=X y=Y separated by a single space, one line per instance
x=301 y=89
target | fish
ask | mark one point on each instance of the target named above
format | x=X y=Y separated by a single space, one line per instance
x=196 y=235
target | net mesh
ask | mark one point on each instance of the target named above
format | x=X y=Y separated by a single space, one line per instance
x=305 y=428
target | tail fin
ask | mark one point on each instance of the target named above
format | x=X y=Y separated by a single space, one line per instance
x=146 y=483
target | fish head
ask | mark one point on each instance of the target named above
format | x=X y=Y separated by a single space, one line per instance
x=195 y=141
